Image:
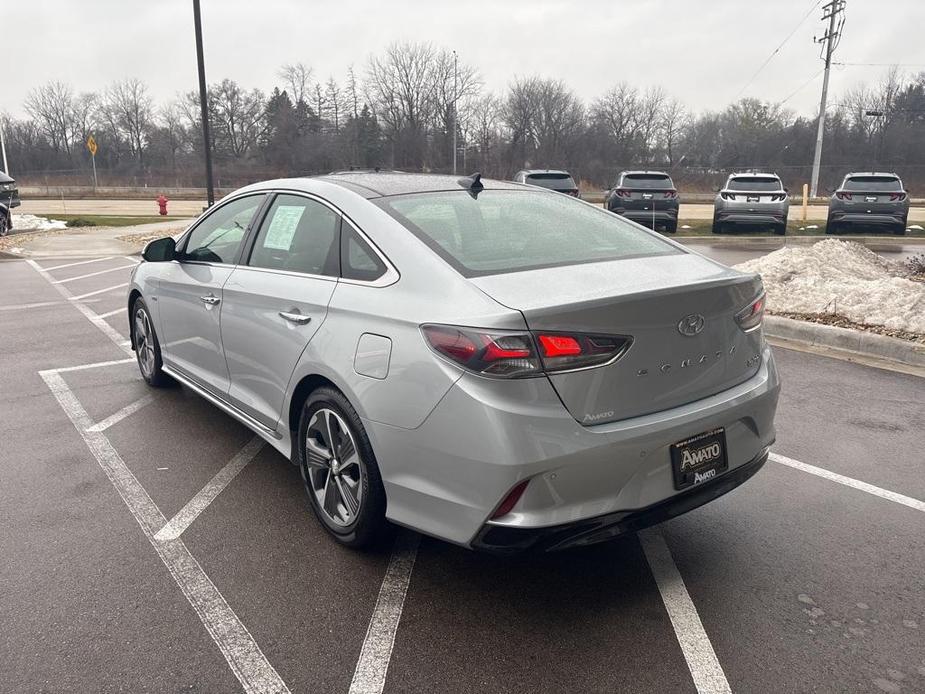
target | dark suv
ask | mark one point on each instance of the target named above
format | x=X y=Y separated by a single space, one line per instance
x=560 y=181
x=869 y=200
x=646 y=197
x=9 y=198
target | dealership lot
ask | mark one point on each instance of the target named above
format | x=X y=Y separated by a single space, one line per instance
x=807 y=578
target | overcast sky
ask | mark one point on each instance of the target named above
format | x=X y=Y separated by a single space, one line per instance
x=702 y=51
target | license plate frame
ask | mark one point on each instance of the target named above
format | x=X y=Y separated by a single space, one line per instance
x=707 y=458
x=753 y=198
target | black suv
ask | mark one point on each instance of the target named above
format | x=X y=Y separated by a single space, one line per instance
x=9 y=198
x=646 y=197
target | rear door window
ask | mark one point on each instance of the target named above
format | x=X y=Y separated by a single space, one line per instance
x=871 y=184
x=298 y=235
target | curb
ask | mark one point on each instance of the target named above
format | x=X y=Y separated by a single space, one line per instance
x=868 y=344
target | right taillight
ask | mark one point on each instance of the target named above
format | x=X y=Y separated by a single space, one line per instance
x=508 y=354
x=894 y=197
x=750 y=317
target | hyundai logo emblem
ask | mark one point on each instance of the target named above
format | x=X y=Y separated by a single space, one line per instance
x=691 y=325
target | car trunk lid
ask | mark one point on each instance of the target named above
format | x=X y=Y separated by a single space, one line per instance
x=659 y=302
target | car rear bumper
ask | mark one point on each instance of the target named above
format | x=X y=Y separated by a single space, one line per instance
x=505 y=540
x=644 y=216
x=446 y=477
x=863 y=218
x=766 y=215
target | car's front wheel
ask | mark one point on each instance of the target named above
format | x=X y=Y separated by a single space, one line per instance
x=147 y=347
x=5 y=225
x=339 y=470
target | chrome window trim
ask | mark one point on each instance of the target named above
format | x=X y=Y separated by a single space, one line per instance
x=290 y=273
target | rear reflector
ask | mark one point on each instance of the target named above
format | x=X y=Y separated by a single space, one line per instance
x=510 y=501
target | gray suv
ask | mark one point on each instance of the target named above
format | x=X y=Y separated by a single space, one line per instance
x=559 y=181
x=9 y=198
x=753 y=199
x=869 y=199
x=647 y=197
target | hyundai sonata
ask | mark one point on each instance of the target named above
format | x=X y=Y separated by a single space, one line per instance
x=489 y=363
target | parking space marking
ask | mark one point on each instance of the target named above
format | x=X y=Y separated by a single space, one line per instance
x=110 y=314
x=241 y=652
x=126 y=411
x=93 y=274
x=849 y=482
x=23 y=307
x=708 y=674
x=80 y=262
x=180 y=522
x=99 y=291
x=373 y=663
x=105 y=327
x=93 y=365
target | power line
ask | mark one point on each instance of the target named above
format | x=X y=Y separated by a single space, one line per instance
x=777 y=50
x=922 y=65
x=800 y=88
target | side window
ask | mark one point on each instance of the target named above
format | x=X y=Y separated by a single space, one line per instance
x=358 y=260
x=218 y=236
x=299 y=235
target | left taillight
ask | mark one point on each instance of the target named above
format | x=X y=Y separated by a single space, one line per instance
x=750 y=317
x=508 y=354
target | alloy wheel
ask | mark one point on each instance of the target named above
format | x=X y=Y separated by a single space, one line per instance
x=144 y=342
x=334 y=470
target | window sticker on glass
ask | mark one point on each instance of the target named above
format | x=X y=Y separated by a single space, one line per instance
x=282 y=227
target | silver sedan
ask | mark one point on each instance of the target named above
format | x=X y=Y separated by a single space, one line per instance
x=495 y=365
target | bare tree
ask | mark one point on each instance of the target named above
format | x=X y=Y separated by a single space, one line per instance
x=54 y=109
x=238 y=117
x=673 y=123
x=298 y=79
x=353 y=93
x=129 y=110
x=545 y=120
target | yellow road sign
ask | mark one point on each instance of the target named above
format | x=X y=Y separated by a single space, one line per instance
x=91 y=145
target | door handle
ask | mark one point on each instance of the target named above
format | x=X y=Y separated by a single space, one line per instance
x=296 y=318
x=210 y=300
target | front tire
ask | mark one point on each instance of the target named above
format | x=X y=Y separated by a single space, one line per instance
x=340 y=471
x=147 y=346
x=6 y=223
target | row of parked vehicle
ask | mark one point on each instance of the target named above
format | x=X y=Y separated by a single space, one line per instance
x=863 y=200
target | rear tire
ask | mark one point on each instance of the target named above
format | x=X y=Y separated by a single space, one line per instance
x=899 y=229
x=830 y=227
x=340 y=471
x=717 y=227
x=781 y=229
x=672 y=227
x=147 y=346
x=6 y=223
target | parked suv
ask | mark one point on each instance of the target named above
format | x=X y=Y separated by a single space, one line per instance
x=9 y=198
x=755 y=199
x=646 y=197
x=559 y=181
x=869 y=199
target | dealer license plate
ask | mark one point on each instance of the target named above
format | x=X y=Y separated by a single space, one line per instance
x=699 y=459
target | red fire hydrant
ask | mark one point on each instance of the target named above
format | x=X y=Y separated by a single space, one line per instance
x=162 y=204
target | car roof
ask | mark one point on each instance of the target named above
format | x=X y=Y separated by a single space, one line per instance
x=871 y=173
x=383 y=184
x=530 y=172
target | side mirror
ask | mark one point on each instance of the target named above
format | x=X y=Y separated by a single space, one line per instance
x=160 y=250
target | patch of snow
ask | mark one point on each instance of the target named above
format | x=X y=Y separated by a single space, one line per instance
x=812 y=226
x=686 y=226
x=29 y=222
x=866 y=287
x=915 y=226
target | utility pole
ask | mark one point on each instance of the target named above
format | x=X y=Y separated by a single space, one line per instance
x=204 y=103
x=455 y=96
x=831 y=12
x=6 y=167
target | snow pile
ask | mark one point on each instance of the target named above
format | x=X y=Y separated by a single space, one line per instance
x=29 y=222
x=865 y=287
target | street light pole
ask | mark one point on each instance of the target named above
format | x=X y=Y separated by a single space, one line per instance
x=6 y=167
x=204 y=104
x=455 y=95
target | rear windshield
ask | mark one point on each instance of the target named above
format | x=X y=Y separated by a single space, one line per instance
x=658 y=181
x=553 y=181
x=754 y=183
x=873 y=183
x=504 y=231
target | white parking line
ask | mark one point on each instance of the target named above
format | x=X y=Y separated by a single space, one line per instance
x=24 y=307
x=239 y=648
x=126 y=411
x=708 y=674
x=373 y=664
x=81 y=262
x=105 y=327
x=849 y=482
x=92 y=274
x=180 y=522
x=109 y=314
x=94 y=365
x=99 y=291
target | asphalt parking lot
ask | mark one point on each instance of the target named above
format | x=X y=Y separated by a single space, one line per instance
x=150 y=544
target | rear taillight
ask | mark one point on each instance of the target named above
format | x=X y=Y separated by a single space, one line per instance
x=778 y=197
x=727 y=196
x=505 y=354
x=843 y=196
x=671 y=193
x=750 y=317
x=622 y=193
x=897 y=196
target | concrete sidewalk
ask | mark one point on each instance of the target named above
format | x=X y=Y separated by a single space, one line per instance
x=87 y=241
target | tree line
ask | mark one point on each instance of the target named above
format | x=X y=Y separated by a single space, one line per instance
x=400 y=109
